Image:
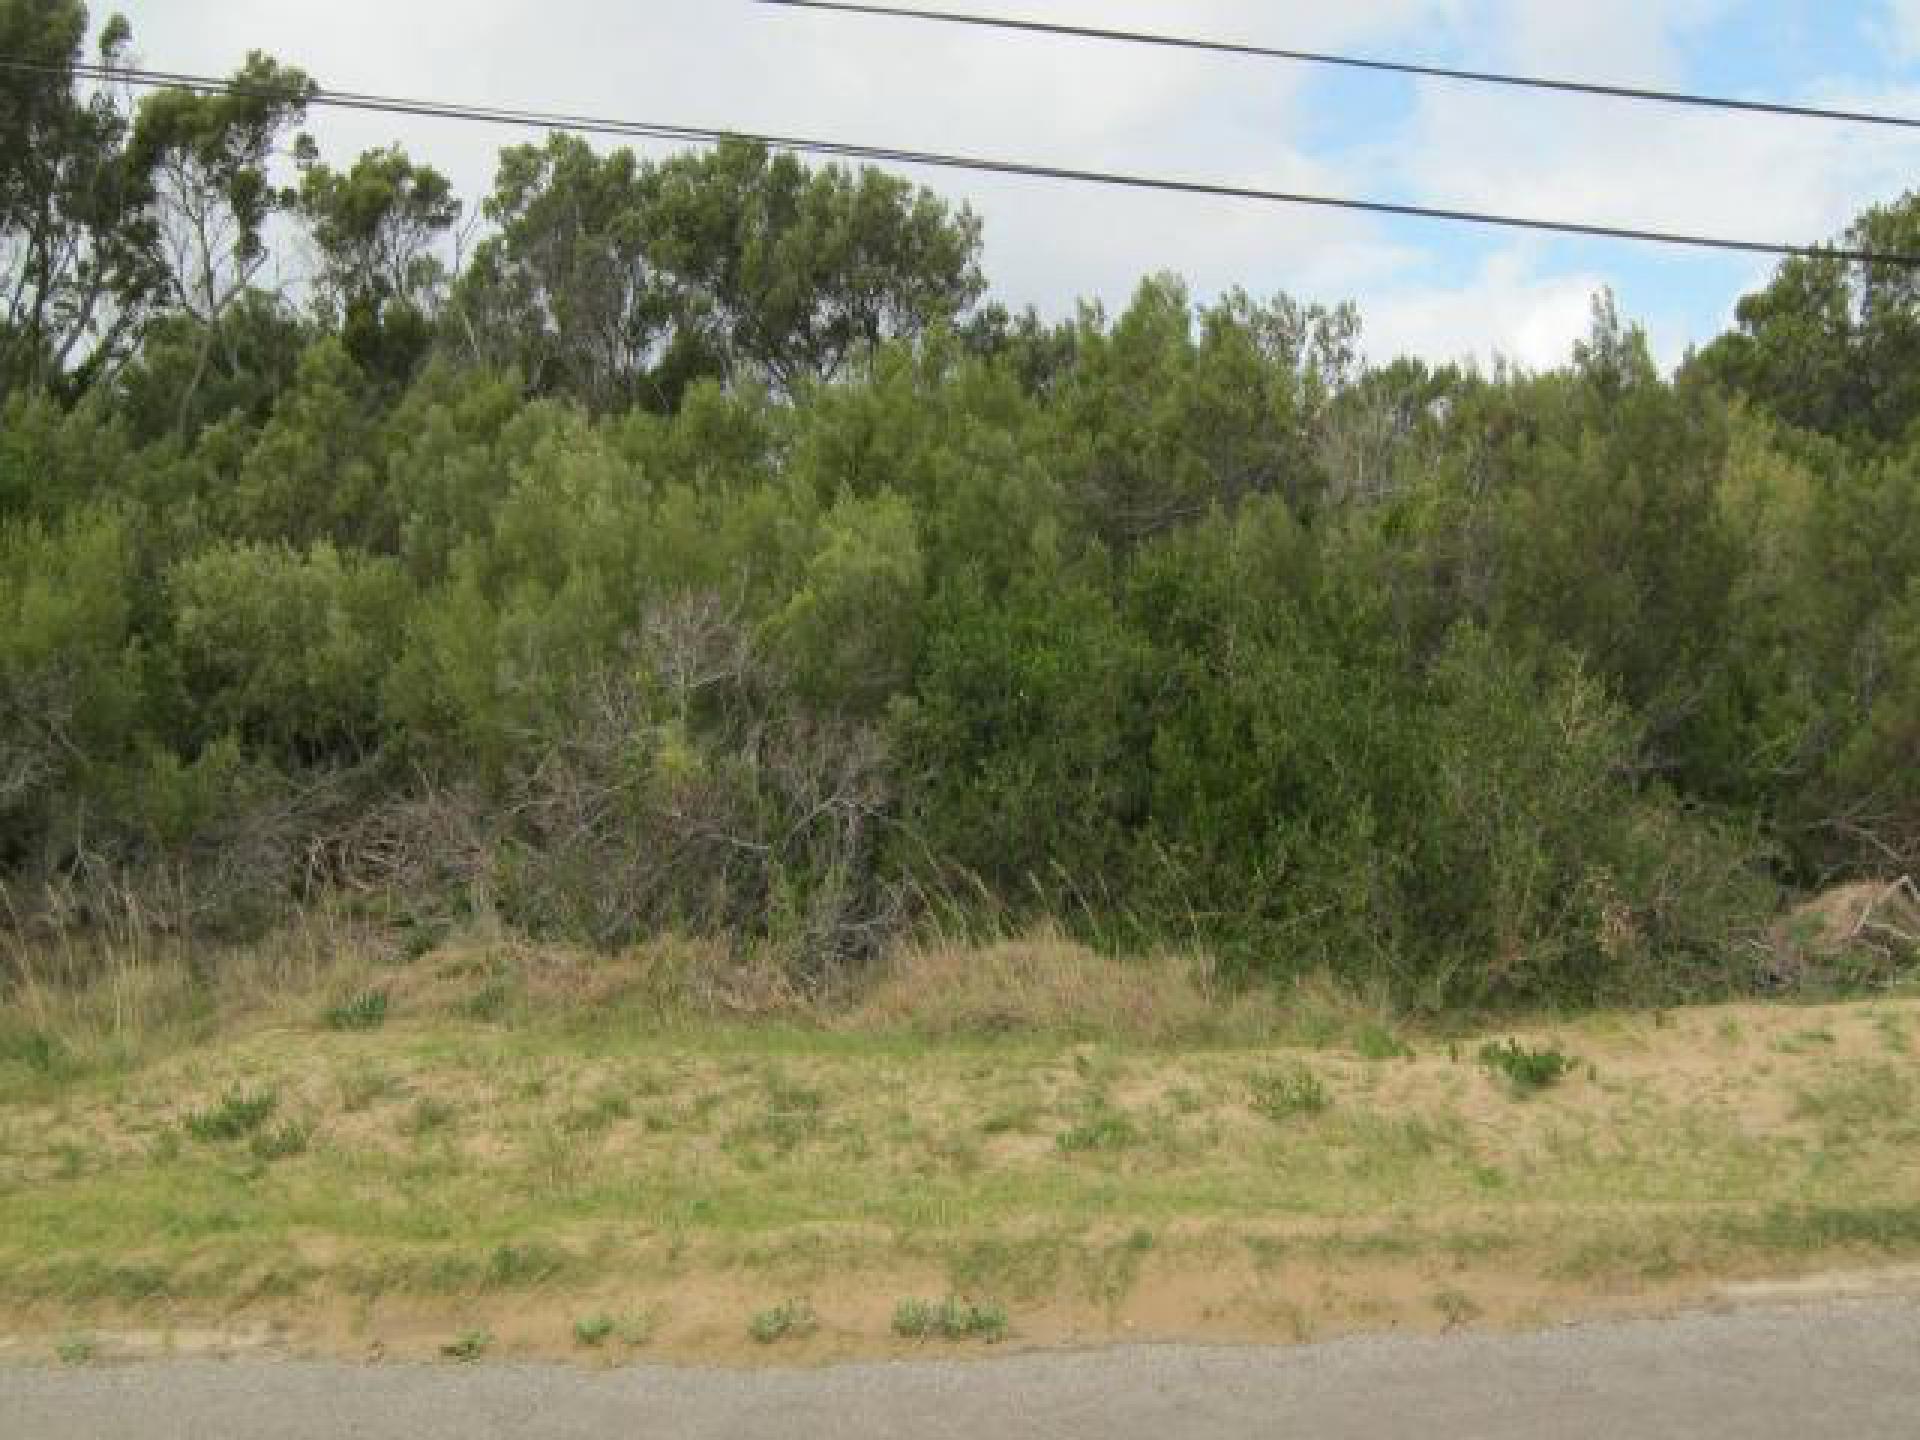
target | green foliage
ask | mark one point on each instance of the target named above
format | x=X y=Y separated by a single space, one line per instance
x=1832 y=346
x=698 y=559
x=1527 y=1072
x=375 y=227
x=593 y=1331
x=70 y=673
x=619 y=281
x=83 y=260
x=289 y=651
x=791 y=1320
x=950 y=1319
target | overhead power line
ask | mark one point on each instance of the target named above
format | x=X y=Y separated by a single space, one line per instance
x=1352 y=62
x=888 y=154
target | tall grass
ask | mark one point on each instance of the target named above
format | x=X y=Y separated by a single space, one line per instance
x=124 y=983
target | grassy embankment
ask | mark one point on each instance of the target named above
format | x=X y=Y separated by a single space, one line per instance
x=497 y=1149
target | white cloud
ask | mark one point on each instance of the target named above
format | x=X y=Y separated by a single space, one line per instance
x=1902 y=25
x=1505 y=311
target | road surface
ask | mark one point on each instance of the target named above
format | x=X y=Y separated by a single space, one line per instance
x=1847 y=1370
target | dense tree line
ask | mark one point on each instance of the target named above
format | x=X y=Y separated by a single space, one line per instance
x=695 y=549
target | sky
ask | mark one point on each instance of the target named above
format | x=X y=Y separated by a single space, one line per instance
x=1439 y=291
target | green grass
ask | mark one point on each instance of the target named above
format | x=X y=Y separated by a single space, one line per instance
x=33 y=1050
x=1376 y=1042
x=236 y=1116
x=1023 y=1170
x=1103 y=1131
x=283 y=1142
x=1285 y=1094
x=430 y=1115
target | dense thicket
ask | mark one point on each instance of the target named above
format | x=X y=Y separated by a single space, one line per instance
x=700 y=553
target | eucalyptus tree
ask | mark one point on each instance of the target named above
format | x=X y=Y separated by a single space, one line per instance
x=79 y=265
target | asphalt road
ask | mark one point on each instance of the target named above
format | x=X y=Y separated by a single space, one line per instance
x=1849 y=1370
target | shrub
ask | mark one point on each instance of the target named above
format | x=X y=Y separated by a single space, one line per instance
x=950 y=1319
x=1527 y=1072
x=593 y=1330
x=793 y=1320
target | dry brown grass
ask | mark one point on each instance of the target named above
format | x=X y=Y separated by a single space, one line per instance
x=1049 y=986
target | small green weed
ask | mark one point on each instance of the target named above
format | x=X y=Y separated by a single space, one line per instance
x=365 y=1011
x=1284 y=1094
x=76 y=1349
x=793 y=1320
x=593 y=1331
x=1527 y=1072
x=236 y=1116
x=950 y=1319
x=468 y=1346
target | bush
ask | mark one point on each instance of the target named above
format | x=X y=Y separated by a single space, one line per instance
x=1527 y=1072
x=950 y=1319
x=792 y=1320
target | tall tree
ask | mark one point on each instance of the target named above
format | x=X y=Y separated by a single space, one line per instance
x=210 y=156
x=77 y=255
x=376 y=228
x=798 y=271
x=620 y=281
x=1832 y=345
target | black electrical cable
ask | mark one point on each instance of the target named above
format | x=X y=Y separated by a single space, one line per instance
x=1019 y=25
x=886 y=154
